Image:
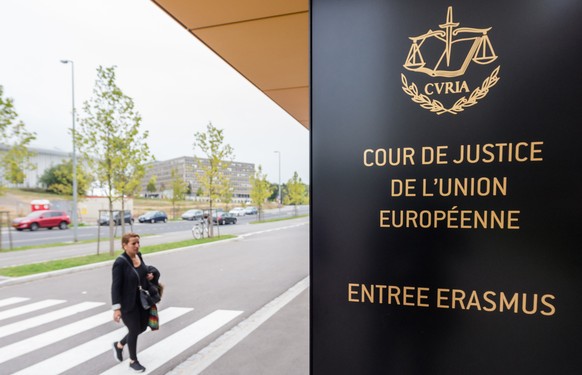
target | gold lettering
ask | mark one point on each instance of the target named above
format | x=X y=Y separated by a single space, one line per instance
x=367 y=293
x=504 y=303
x=490 y=301
x=549 y=305
x=384 y=218
x=407 y=296
x=441 y=298
x=458 y=297
x=422 y=296
x=367 y=163
x=474 y=301
x=352 y=292
x=393 y=292
x=426 y=90
x=381 y=293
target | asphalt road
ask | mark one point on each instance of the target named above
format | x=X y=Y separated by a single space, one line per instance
x=149 y=237
x=45 y=236
x=214 y=293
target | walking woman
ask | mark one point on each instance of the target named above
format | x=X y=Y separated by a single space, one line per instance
x=125 y=297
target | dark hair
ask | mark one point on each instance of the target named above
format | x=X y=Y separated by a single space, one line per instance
x=126 y=237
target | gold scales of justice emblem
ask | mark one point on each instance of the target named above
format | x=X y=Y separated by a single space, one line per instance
x=480 y=51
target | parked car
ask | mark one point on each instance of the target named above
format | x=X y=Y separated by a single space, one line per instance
x=237 y=211
x=251 y=211
x=104 y=219
x=192 y=215
x=215 y=212
x=42 y=219
x=153 y=217
x=224 y=218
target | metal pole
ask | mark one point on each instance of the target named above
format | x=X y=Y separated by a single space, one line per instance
x=279 y=152
x=75 y=219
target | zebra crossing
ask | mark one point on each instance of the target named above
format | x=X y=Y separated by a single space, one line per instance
x=22 y=319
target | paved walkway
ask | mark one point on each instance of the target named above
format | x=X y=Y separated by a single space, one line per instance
x=252 y=347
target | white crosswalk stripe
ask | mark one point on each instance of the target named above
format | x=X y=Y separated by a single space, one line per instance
x=12 y=301
x=31 y=344
x=163 y=351
x=19 y=350
x=74 y=357
x=29 y=308
x=46 y=318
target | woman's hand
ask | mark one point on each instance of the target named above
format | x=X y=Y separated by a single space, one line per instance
x=150 y=276
x=116 y=315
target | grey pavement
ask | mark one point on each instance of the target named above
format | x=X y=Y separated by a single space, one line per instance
x=253 y=346
x=256 y=349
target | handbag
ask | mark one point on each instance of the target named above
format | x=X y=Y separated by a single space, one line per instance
x=146 y=299
x=153 y=320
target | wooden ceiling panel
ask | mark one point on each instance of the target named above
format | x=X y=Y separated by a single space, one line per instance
x=267 y=41
x=296 y=99
x=256 y=49
x=196 y=14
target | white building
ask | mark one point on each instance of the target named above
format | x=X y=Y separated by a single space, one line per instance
x=42 y=159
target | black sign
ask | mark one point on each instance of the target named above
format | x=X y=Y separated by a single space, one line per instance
x=446 y=187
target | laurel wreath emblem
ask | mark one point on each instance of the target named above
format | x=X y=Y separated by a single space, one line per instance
x=434 y=105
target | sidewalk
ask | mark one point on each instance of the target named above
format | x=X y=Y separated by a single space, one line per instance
x=273 y=340
x=278 y=345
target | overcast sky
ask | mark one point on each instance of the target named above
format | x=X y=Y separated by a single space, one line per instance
x=177 y=84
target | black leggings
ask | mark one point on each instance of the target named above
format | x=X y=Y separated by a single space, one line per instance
x=136 y=322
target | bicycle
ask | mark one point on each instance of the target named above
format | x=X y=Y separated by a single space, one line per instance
x=200 y=229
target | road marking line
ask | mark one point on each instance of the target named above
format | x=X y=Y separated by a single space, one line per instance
x=271 y=230
x=12 y=301
x=29 y=308
x=204 y=358
x=160 y=353
x=36 y=342
x=46 y=318
x=84 y=352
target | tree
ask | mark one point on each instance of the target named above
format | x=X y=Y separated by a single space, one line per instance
x=212 y=171
x=58 y=179
x=16 y=138
x=178 y=190
x=151 y=186
x=260 y=189
x=110 y=138
x=226 y=190
x=296 y=191
x=275 y=191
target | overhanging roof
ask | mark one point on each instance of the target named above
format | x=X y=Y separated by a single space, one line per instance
x=267 y=41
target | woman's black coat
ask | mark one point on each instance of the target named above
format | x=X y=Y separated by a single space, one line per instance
x=124 y=286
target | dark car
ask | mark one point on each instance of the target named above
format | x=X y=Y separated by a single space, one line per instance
x=42 y=219
x=104 y=219
x=215 y=212
x=153 y=217
x=251 y=211
x=192 y=215
x=224 y=218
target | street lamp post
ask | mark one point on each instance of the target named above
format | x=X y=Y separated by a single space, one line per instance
x=279 y=152
x=75 y=219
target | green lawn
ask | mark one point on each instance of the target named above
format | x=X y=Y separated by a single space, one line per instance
x=54 y=265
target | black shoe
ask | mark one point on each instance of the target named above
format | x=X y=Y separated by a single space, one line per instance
x=117 y=353
x=136 y=367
